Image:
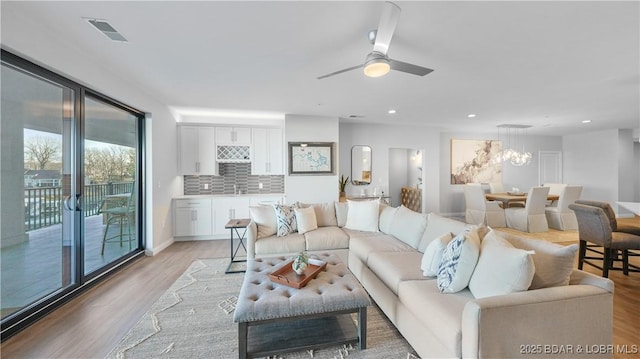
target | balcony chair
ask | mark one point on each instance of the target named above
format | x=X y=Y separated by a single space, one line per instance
x=561 y=217
x=594 y=226
x=480 y=211
x=124 y=215
x=531 y=218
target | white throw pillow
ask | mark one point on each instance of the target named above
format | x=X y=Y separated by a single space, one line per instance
x=286 y=219
x=306 y=219
x=458 y=261
x=265 y=219
x=554 y=263
x=363 y=215
x=433 y=255
x=501 y=268
x=408 y=226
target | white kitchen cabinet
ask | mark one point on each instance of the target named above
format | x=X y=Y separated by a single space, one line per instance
x=266 y=200
x=236 y=136
x=193 y=217
x=197 y=151
x=226 y=208
x=267 y=157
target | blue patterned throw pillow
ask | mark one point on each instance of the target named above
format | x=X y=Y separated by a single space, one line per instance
x=286 y=219
x=458 y=262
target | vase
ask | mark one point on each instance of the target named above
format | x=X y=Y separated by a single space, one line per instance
x=298 y=266
x=343 y=197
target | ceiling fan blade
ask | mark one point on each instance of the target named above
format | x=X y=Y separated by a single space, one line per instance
x=386 y=27
x=409 y=68
x=340 y=71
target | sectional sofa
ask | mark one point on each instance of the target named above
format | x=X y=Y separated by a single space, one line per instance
x=522 y=297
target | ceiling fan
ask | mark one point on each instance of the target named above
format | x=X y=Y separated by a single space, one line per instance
x=377 y=63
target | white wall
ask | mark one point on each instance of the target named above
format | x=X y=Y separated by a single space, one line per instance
x=591 y=160
x=381 y=138
x=34 y=41
x=311 y=189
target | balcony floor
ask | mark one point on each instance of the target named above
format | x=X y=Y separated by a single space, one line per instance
x=42 y=264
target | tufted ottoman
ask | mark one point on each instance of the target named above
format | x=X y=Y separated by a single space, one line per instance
x=273 y=318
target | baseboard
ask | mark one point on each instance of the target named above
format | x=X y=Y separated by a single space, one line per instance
x=152 y=252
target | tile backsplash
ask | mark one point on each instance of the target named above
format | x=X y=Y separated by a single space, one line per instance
x=230 y=174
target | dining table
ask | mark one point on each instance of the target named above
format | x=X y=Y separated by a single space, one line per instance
x=508 y=197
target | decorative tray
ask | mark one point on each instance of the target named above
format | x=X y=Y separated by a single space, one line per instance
x=286 y=276
x=516 y=193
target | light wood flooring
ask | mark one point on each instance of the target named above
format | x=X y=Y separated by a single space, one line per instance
x=92 y=324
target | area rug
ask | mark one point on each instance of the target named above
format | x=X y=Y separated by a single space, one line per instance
x=194 y=319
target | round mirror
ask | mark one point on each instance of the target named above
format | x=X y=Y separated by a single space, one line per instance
x=360 y=165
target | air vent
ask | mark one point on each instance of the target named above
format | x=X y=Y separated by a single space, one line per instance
x=356 y=116
x=104 y=27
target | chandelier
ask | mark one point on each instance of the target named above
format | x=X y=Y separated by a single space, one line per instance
x=513 y=148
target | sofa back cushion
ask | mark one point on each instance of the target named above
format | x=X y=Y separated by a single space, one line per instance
x=386 y=217
x=342 y=208
x=363 y=215
x=408 y=226
x=436 y=226
x=325 y=213
x=265 y=219
x=554 y=263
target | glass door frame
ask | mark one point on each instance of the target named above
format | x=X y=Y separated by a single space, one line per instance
x=21 y=319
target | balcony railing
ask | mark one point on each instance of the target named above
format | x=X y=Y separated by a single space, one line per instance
x=43 y=205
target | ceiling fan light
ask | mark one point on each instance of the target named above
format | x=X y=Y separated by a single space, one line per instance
x=376 y=65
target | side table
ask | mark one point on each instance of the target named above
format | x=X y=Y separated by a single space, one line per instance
x=234 y=225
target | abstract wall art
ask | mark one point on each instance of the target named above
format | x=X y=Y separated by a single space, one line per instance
x=473 y=161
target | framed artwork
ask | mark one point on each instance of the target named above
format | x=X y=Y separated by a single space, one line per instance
x=311 y=158
x=476 y=161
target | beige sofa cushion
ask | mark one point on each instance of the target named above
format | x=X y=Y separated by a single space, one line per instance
x=326 y=238
x=441 y=313
x=292 y=243
x=342 y=208
x=386 y=217
x=265 y=219
x=362 y=246
x=408 y=226
x=395 y=267
x=325 y=213
x=554 y=263
x=437 y=226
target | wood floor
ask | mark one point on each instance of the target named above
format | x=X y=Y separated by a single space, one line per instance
x=92 y=324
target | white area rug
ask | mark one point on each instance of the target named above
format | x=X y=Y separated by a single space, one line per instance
x=194 y=319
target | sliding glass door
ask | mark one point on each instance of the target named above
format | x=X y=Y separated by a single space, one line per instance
x=37 y=190
x=71 y=174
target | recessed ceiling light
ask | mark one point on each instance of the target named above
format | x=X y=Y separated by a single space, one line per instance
x=391 y=112
x=586 y=121
x=471 y=115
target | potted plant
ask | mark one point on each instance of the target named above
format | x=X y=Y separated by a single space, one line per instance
x=300 y=262
x=342 y=184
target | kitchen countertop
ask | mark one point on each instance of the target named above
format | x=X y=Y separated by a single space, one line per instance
x=187 y=196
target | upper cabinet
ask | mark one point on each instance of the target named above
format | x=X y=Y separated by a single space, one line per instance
x=267 y=157
x=238 y=136
x=197 y=151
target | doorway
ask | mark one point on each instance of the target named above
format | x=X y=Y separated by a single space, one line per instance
x=406 y=177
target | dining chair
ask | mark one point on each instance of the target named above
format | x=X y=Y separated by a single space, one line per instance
x=561 y=217
x=124 y=215
x=496 y=187
x=594 y=231
x=480 y=211
x=531 y=218
x=554 y=190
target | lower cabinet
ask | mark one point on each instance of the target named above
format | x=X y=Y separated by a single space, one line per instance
x=226 y=208
x=205 y=218
x=193 y=217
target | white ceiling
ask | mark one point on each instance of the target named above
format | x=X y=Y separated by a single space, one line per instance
x=545 y=64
